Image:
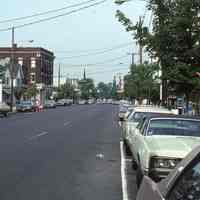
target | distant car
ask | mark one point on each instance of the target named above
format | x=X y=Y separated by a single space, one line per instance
x=50 y=104
x=91 y=101
x=183 y=183
x=82 y=102
x=61 y=102
x=64 y=102
x=124 y=111
x=24 y=106
x=4 y=109
x=109 y=101
x=135 y=115
x=160 y=142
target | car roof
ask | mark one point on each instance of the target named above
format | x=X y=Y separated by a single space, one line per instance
x=152 y=109
x=171 y=116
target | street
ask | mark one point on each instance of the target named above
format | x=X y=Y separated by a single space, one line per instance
x=62 y=153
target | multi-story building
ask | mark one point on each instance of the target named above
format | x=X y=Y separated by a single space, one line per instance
x=37 y=65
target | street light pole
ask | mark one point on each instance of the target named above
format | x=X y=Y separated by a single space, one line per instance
x=12 y=68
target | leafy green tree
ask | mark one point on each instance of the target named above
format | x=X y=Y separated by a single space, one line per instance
x=104 y=90
x=2 y=71
x=87 y=88
x=141 y=82
x=174 y=41
x=31 y=91
x=65 y=91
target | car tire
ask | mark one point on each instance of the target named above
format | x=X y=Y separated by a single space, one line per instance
x=139 y=176
x=127 y=149
x=134 y=164
x=5 y=114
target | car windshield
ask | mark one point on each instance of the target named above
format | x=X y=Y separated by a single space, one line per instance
x=176 y=127
x=137 y=116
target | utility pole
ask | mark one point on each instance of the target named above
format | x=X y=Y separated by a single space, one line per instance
x=12 y=68
x=133 y=58
x=59 y=76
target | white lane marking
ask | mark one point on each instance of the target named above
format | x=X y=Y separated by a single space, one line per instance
x=38 y=135
x=123 y=173
x=67 y=123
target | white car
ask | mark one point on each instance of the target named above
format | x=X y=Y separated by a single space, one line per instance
x=135 y=116
x=82 y=102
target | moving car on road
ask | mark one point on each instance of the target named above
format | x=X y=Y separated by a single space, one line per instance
x=24 y=106
x=183 y=183
x=160 y=142
x=50 y=104
x=4 y=109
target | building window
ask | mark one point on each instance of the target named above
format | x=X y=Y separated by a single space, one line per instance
x=33 y=62
x=32 y=77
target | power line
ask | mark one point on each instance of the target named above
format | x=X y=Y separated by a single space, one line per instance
x=95 y=64
x=97 y=53
x=96 y=72
x=45 y=13
x=53 y=17
x=90 y=50
x=108 y=61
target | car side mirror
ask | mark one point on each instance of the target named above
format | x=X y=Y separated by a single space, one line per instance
x=149 y=190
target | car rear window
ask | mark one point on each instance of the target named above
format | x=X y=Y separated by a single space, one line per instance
x=177 y=127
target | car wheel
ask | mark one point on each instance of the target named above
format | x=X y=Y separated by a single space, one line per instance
x=127 y=149
x=134 y=164
x=139 y=176
x=5 y=114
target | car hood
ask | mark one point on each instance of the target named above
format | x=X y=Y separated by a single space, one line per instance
x=171 y=146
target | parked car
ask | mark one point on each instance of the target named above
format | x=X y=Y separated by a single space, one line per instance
x=123 y=112
x=63 y=102
x=24 y=106
x=4 y=109
x=50 y=104
x=160 y=142
x=91 y=101
x=183 y=183
x=82 y=102
x=135 y=115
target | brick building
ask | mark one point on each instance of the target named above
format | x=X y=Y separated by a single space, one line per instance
x=37 y=63
x=37 y=66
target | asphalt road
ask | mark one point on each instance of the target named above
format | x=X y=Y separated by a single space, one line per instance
x=67 y=153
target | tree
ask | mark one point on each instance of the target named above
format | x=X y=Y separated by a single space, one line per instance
x=174 y=41
x=65 y=91
x=142 y=83
x=104 y=90
x=31 y=91
x=2 y=71
x=87 y=88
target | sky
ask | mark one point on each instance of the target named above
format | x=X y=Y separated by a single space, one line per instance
x=89 y=31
